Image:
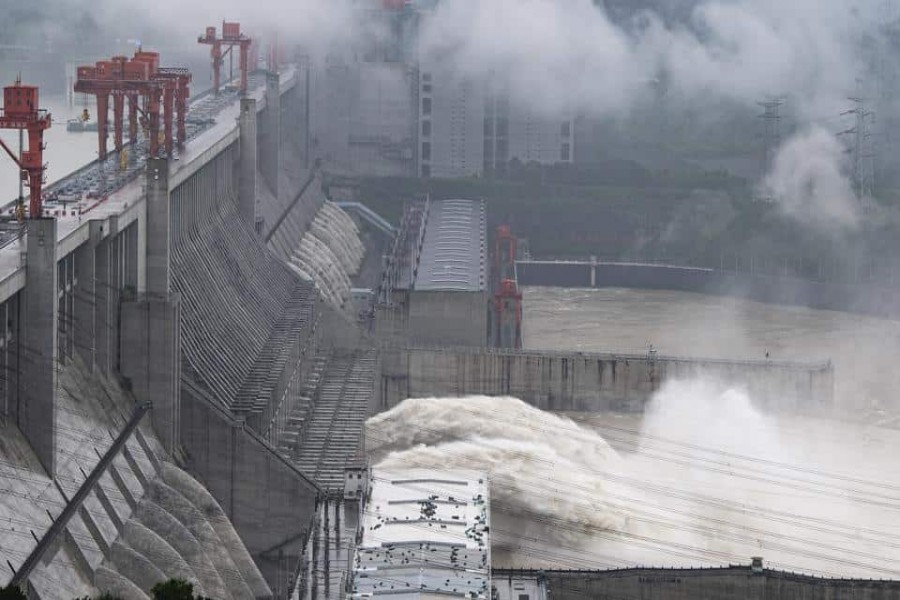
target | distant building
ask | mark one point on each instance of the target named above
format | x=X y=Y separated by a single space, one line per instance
x=451 y=125
x=436 y=288
x=384 y=112
x=449 y=300
x=468 y=129
x=360 y=117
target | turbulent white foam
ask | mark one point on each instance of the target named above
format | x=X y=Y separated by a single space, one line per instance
x=519 y=445
x=329 y=252
x=704 y=479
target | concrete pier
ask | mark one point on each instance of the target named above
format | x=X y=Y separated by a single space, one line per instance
x=151 y=359
x=86 y=295
x=105 y=298
x=248 y=160
x=150 y=348
x=270 y=159
x=37 y=409
x=158 y=224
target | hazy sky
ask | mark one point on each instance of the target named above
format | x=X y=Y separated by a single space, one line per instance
x=582 y=57
x=577 y=54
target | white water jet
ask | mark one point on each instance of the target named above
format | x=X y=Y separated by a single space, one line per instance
x=705 y=479
x=321 y=255
x=328 y=253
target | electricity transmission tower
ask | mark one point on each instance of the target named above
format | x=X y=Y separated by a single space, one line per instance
x=862 y=152
x=771 y=118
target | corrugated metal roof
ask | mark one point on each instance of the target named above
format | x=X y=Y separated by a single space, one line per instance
x=453 y=250
x=425 y=533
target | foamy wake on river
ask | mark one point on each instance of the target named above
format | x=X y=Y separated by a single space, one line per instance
x=702 y=478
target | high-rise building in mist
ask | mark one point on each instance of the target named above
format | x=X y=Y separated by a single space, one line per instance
x=386 y=112
x=361 y=117
x=471 y=128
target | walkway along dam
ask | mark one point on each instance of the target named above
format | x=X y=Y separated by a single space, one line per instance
x=186 y=382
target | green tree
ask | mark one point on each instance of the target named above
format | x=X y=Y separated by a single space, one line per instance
x=173 y=589
x=12 y=593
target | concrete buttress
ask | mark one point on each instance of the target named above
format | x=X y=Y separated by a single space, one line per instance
x=150 y=340
x=37 y=409
x=247 y=165
x=271 y=141
x=158 y=234
x=150 y=359
x=105 y=297
x=86 y=297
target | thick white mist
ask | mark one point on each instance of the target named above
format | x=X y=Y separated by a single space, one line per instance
x=808 y=180
x=321 y=27
x=705 y=479
x=569 y=55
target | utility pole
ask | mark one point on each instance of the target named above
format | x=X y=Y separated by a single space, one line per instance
x=862 y=152
x=771 y=118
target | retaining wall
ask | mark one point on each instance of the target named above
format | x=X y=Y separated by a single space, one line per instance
x=729 y=583
x=588 y=382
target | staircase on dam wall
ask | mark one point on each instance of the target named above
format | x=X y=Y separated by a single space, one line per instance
x=299 y=413
x=326 y=434
x=142 y=522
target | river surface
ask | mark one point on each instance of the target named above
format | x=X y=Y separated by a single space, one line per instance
x=66 y=152
x=702 y=477
x=864 y=350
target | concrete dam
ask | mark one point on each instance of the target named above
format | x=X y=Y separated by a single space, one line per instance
x=182 y=320
x=188 y=377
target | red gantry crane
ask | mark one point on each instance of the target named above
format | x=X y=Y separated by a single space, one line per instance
x=231 y=37
x=176 y=93
x=148 y=89
x=20 y=111
x=507 y=297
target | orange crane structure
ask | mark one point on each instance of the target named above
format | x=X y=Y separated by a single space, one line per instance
x=231 y=37
x=20 y=111
x=507 y=313
x=176 y=93
x=151 y=92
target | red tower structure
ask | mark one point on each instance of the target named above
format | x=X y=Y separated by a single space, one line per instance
x=504 y=254
x=506 y=316
x=508 y=311
x=231 y=37
x=147 y=87
x=176 y=93
x=20 y=111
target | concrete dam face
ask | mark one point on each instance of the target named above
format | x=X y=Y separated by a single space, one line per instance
x=202 y=353
x=145 y=521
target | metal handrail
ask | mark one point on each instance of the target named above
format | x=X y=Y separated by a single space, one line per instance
x=49 y=538
x=290 y=208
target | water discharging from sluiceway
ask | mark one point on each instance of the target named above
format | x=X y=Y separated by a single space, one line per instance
x=702 y=478
x=329 y=252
